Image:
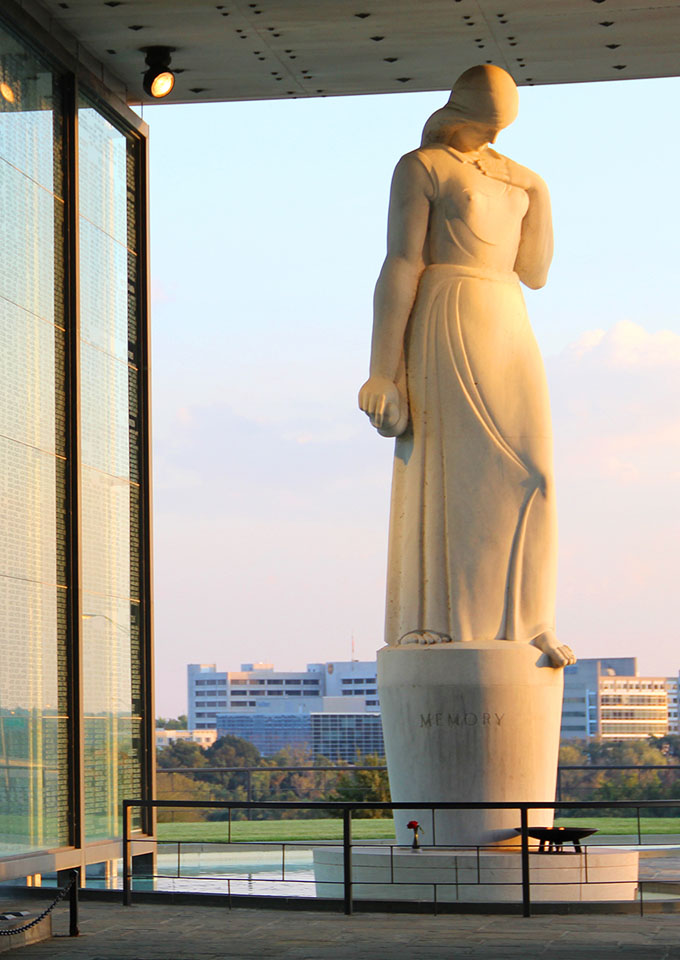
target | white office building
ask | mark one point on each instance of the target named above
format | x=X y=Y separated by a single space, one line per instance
x=204 y=738
x=348 y=686
x=672 y=697
x=631 y=708
x=607 y=700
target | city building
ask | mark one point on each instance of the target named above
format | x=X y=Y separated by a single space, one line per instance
x=331 y=709
x=204 y=738
x=76 y=710
x=257 y=687
x=347 y=736
x=603 y=698
x=329 y=734
x=632 y=707
x=268 y=733
x=580 y=716
x=606 y=699
x=672 y=694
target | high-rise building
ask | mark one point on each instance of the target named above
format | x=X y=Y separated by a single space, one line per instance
x=606 y=699
x=331 y=709
x=257 y=687
x=580 y=715
x=632 y=707
x=347 y=736
x=76 y=716
x=672 y=694
x=332 y=734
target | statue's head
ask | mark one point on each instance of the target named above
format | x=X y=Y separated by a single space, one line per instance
x=485 y=95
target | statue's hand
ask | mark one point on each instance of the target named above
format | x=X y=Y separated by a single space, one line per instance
x=380 y=400
x=559 y=654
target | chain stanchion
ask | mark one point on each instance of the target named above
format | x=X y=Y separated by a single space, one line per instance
x=73 y=930
x=127 y=855
x=46 y=912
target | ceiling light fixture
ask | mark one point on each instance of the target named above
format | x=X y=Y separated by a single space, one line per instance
x=159 y=78
x=7 y=92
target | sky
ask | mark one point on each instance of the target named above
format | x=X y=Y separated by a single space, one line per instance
x=271 y=490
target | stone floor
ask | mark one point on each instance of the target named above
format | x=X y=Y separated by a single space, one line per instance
x=151 y=932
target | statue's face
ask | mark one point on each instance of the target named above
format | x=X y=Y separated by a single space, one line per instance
x=471 y=136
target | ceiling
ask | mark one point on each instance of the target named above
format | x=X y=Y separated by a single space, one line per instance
x=270 y=49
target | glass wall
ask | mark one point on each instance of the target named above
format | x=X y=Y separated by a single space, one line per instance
x=74 y=651
x=110 y=481
x=34 y=786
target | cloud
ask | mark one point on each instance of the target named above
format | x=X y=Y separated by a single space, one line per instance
x=616 y=404
x=616 y=422
x=628 y=346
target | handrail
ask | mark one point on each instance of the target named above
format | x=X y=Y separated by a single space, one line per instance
x=249 y=771
x=340 y=805
x=340 y=769
x=349 y=768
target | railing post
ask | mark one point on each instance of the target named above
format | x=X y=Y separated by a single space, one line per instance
x=526 y=880
x=347 y=858
x=127 y=856
x=642 y=901
x=639 y=831
x=73 y=930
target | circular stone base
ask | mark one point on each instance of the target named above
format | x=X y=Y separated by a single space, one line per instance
x=466 y=876
x=470 y=723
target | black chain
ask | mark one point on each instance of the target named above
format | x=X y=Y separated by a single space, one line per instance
x=27 y=926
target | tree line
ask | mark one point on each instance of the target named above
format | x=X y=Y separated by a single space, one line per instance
x=344 y=783
x=632 y=784
x=274 y=782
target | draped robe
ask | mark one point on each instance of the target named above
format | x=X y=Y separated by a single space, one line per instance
x=472 y=550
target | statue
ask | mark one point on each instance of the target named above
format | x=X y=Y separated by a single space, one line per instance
x=470 y=688
x=457 y=377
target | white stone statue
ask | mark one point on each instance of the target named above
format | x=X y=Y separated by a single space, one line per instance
x=457 y=377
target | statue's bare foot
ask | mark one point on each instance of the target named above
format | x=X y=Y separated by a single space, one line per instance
x=425 y=637
x=560 y=654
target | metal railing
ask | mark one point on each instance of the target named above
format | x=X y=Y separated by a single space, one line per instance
x=345 y=811
x=247 y=773
x=589 y=770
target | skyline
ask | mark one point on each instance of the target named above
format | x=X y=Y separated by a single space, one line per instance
x=270 y=486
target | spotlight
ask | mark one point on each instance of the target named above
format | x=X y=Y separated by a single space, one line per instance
x=159 y=78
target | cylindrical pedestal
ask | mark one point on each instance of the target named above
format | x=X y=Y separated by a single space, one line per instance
x=465 y=723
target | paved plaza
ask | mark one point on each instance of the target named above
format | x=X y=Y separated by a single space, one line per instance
x=110 y=931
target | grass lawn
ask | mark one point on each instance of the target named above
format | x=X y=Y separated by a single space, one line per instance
x=327 y=829
x=615 y=826
x=331 y=829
